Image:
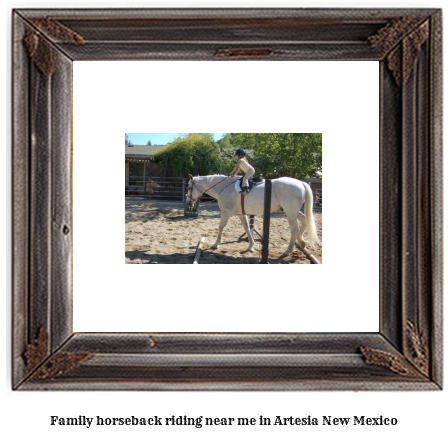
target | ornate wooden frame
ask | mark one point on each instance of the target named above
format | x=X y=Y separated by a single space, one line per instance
x=406 y=354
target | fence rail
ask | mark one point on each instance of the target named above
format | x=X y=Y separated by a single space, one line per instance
x=166 y=189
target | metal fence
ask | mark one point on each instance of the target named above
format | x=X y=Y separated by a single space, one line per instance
x=318 y=200
x=166 y=189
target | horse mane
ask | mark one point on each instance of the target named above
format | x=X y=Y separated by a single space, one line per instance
x=212 y=178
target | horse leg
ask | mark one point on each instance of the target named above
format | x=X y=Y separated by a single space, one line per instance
x=302 y=229
x=250 y=238
x=292 y=219
x=222 y=224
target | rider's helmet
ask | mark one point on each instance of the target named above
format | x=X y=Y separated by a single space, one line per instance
x=239 y=152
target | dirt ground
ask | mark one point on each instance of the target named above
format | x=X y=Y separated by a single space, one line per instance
x=158 y=232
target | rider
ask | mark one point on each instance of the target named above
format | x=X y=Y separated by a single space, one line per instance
x=240 y=155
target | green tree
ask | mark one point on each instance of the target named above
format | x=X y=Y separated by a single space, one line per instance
x=275 y=155
x=227 y=153
x=195 y=154
x=127 y=142
x=149 y=143
x=226 y=142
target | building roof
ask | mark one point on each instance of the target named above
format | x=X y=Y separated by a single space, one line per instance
x=141 y=151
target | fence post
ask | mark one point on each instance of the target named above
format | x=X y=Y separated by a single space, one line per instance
x=266 y=220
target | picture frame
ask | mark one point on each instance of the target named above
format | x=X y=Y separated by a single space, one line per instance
x=406 y=353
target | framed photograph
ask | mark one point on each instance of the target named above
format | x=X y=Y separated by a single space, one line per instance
x=51 y=351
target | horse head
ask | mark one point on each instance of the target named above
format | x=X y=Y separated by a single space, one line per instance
x=194 y=192
x=151 y=186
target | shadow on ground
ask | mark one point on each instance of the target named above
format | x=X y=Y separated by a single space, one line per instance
x=208 y=256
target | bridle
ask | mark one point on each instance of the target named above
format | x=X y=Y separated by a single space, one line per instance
x=190 y=190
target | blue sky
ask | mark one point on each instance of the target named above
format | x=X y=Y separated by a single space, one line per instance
x=159 y=139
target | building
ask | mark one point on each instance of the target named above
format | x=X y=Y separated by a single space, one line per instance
x=139 y=163
x=316 y=187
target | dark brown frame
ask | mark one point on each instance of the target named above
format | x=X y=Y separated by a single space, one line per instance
x=406 y=354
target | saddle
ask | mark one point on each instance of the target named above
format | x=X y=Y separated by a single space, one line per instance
x=254 y=181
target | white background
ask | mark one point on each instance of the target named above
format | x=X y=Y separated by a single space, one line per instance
x=419 y=414
x=339 y=99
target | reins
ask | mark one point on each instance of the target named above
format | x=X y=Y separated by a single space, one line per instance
x=205 y=191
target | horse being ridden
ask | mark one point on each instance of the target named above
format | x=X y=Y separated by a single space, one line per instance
x=288 y=194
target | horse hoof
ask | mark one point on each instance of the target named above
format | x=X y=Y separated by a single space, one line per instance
x=250 y=250
x=215 y=246
x=285 y=254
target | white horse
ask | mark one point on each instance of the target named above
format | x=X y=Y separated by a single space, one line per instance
x=151 y=186
x=287 y=193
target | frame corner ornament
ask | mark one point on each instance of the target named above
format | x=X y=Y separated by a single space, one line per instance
x=40 y=50
x=37 y=351
x=40 y=365
x=395 y=362
x=401 y=40
x=417 y=348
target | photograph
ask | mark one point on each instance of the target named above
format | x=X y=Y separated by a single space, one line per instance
x=202 y=198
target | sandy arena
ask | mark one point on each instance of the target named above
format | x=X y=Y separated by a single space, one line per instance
x=158 y=232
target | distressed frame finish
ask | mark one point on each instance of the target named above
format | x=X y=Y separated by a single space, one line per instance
x=406 y=354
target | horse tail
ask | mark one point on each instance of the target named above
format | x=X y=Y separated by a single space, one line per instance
x=309 y=217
